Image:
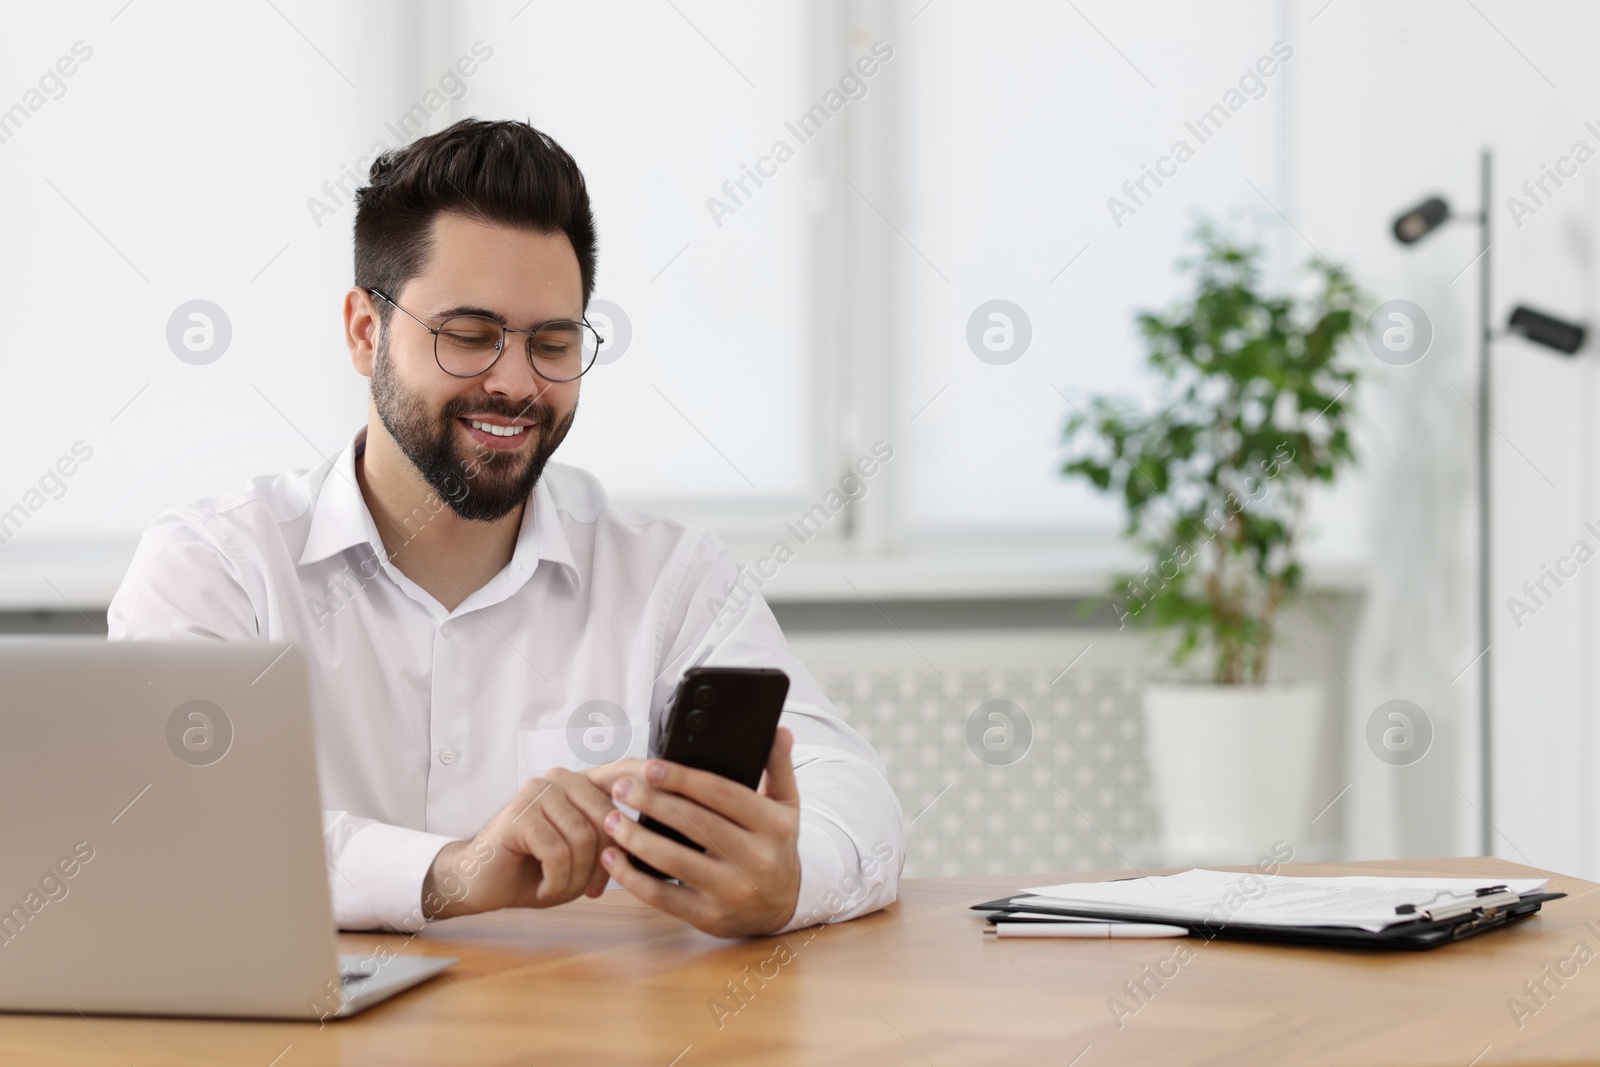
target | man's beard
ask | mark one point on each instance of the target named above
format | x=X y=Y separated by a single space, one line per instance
x=482 y=485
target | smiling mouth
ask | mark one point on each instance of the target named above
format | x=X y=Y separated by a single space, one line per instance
x=511 y=438
x=498 y=431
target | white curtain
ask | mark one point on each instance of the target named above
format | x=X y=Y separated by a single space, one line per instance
x=1419 y=630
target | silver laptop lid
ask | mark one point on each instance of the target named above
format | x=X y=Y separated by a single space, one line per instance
x=163 y=841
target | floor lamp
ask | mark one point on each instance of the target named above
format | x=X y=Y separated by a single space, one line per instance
x=1542 y=329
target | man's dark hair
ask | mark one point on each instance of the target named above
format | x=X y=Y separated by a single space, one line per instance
x=502 y=172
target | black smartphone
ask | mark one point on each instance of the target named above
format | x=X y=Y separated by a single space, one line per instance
x=723 y=720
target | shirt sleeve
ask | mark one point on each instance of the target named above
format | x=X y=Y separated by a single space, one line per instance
x=852 y=835
x=187 y=581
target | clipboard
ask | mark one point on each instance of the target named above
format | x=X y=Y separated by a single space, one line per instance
x=1438 y=922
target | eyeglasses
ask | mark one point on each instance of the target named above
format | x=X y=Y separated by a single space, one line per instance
x=466 y=346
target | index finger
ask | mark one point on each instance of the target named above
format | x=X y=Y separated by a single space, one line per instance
x=737 y=803
x=584 y=792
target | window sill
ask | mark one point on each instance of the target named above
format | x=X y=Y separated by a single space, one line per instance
x=1021 y=566
x=68 y=576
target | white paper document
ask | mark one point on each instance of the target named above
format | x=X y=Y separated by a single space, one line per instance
x=1219 y=897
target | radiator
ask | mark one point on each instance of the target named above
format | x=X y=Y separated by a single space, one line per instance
x=1078 y=798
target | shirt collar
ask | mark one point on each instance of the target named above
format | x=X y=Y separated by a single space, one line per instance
x=542 y=537
x=341 y=519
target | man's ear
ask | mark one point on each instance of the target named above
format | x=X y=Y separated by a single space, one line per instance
x=361 y=330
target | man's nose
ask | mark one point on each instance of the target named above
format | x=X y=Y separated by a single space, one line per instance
x=513 y=375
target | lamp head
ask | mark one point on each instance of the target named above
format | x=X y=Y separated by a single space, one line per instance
x=1421 y=220
x=1546 y=330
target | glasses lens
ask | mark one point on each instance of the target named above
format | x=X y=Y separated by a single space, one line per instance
x=562 y=351
x=468 y=345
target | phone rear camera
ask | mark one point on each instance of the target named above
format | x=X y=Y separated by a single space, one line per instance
x=697 y=720
x=703 y=696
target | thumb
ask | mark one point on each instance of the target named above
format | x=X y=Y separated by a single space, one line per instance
x=778 y=783
x=606 y=774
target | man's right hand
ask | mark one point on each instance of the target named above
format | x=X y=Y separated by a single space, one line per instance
x=540 y=850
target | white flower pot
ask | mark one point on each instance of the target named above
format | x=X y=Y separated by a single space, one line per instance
x=1232 y=767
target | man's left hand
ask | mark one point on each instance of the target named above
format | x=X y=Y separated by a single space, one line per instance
x=748 y=879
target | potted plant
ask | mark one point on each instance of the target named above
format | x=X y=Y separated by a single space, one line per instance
x=1255 y=409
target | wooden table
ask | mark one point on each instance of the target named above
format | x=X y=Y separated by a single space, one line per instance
x=611 y=982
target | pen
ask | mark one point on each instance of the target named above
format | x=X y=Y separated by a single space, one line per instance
x=1084 y=930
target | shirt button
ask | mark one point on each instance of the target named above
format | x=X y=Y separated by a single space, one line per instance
x=447 y=756
x=446 y=630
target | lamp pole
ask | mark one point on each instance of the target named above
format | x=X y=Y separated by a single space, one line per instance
x=1485 y=670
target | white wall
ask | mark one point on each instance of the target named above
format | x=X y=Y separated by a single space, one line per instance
x=1393 y=102
x=1533 y=107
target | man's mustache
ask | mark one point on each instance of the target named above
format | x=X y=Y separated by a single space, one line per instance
x=543 y=415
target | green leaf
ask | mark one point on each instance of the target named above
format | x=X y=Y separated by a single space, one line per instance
x=1257 y=404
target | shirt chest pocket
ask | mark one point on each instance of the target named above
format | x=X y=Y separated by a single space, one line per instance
x=596 y=732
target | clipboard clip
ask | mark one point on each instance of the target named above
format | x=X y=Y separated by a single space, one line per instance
x=1485 y=901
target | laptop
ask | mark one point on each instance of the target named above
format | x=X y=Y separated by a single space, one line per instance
x=163 y=850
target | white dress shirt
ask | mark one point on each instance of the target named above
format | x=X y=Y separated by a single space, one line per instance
x=426 y=720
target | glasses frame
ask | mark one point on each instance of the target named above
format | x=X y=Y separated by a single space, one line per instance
x=504 y=330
